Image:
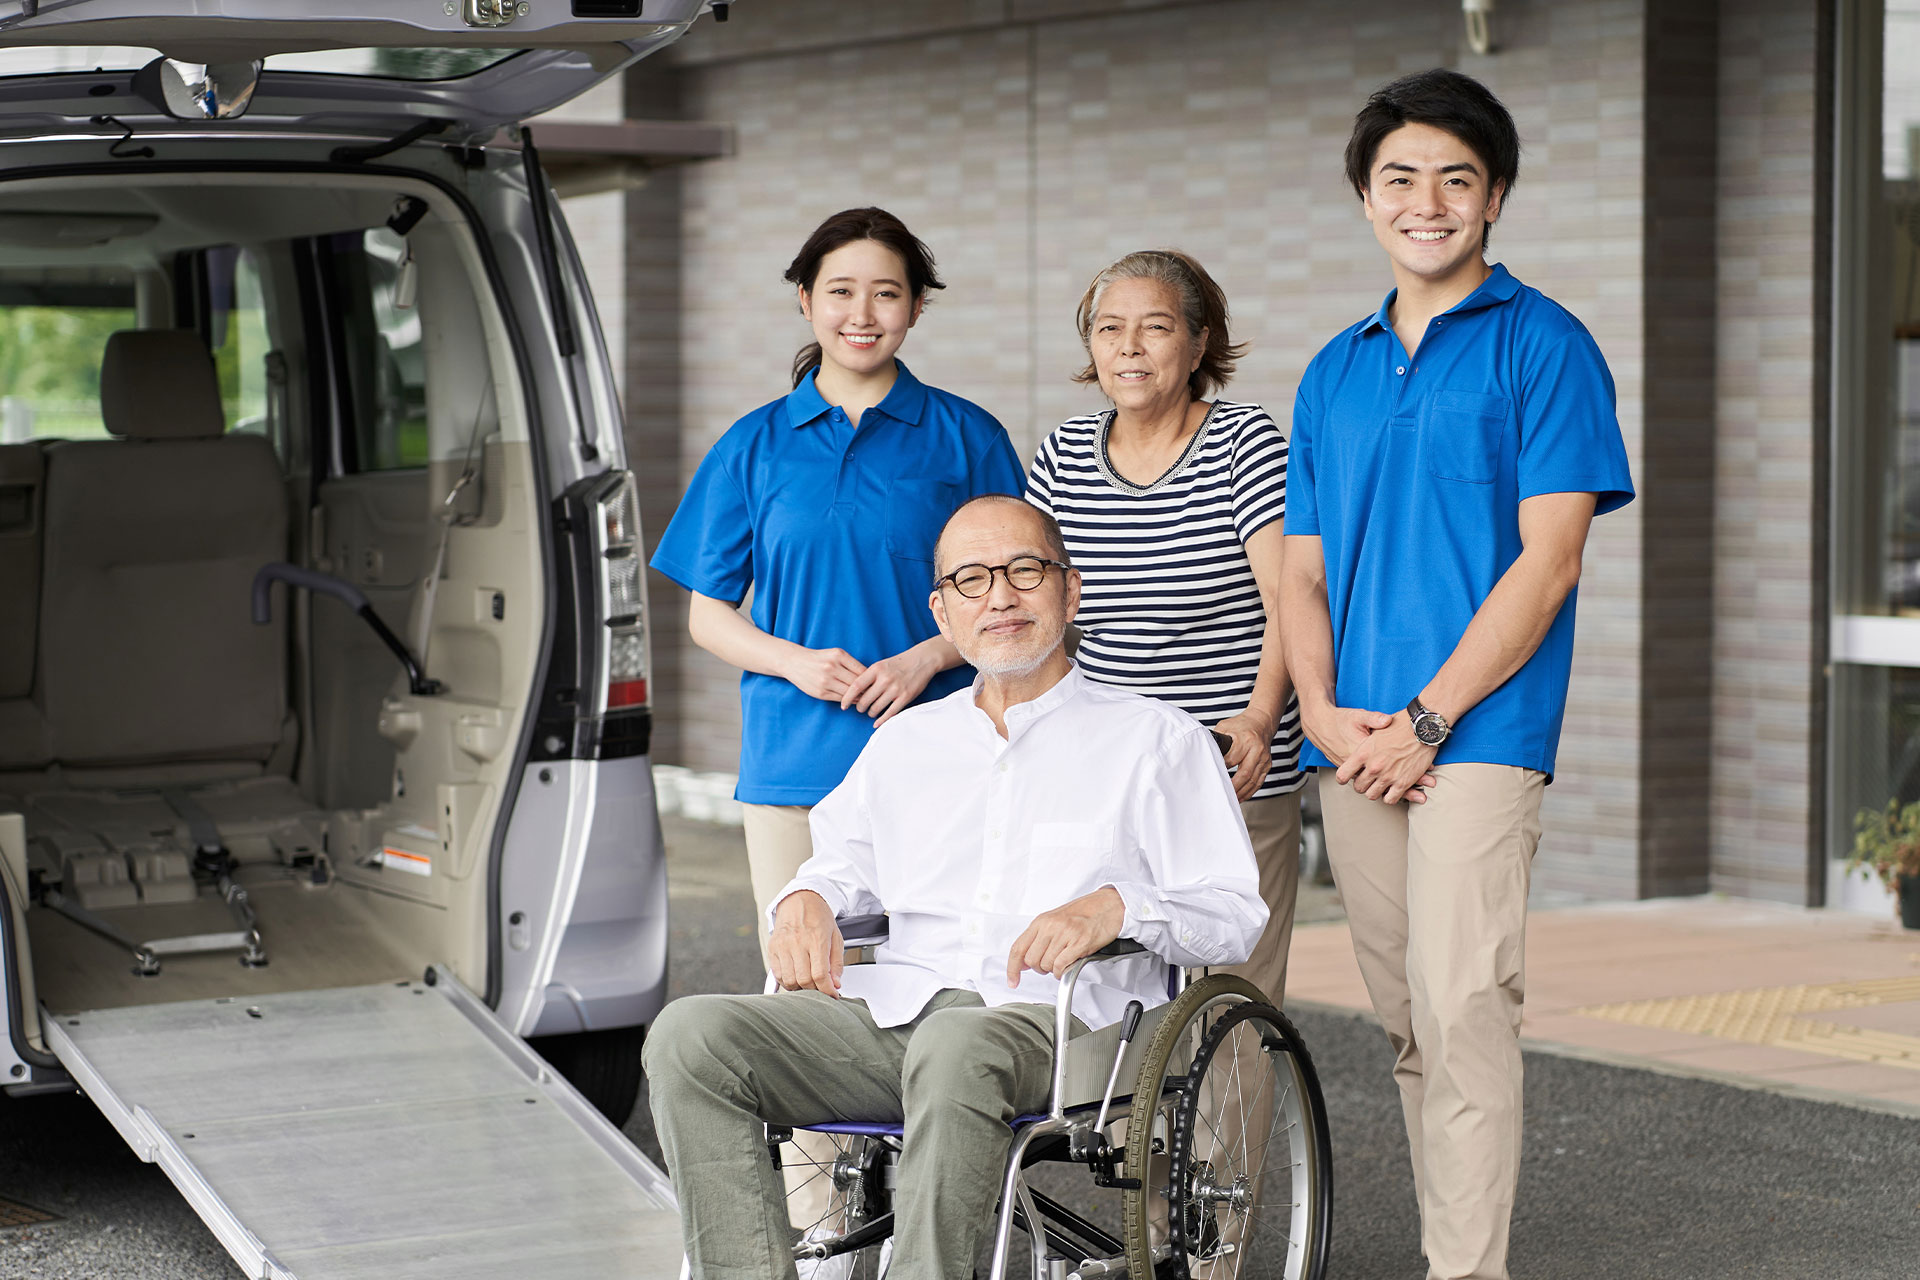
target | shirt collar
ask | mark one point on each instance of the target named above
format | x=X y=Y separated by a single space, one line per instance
x=1021 y=715
x=906 y=401
x=1494 y=290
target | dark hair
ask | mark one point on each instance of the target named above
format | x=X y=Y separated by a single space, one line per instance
x=1203 y=305
x=851 y=226
x=1446 y=100
x=1049 y=527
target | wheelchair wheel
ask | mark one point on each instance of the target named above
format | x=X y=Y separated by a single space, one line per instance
x=1236 y=1169
x=836 y=1194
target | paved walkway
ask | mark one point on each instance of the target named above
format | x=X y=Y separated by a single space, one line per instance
x=1819 y=1004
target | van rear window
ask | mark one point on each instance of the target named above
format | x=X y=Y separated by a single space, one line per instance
x=53 y=330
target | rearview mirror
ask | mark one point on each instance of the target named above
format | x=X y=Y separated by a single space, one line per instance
x=198 y=90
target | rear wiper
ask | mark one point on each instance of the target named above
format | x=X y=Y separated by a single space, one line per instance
x=373 y=151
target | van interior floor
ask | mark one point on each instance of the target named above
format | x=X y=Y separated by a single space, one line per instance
x=125 y=856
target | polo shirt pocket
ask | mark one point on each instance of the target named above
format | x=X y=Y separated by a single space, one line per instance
x=916 y=508
x=1461 y=434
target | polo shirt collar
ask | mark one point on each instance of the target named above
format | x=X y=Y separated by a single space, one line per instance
x=1494 y=290
x=905 y=402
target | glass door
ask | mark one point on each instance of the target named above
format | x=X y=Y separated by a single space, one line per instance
x=1874 y=697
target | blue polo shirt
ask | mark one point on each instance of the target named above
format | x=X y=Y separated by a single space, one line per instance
x=834 y=530
x=1411 y=471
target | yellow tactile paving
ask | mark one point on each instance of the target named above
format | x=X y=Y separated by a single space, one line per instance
x=1773 y=1016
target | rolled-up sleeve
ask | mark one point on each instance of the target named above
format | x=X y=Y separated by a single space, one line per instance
x=1202 y=905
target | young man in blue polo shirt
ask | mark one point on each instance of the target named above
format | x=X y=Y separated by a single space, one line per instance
x=1448 y=454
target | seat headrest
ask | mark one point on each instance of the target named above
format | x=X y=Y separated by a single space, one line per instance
x=159 y=384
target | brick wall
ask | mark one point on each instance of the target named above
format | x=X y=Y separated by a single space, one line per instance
x=1769 y=582
x=1032 y=141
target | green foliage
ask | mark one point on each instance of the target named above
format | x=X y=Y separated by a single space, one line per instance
x=1888 y=841
x=434 y=64
x=50 y=357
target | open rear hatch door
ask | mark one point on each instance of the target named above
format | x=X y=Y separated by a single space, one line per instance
x=367 y=1133
x=368 y=64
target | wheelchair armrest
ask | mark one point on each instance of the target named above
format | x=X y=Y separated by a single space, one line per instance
x=1118 y=947
x=855 y=930
x=861 y=934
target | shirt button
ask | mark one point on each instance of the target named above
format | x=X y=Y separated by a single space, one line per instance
x=1003 y=766
x=995 y=833
x=1401 y=370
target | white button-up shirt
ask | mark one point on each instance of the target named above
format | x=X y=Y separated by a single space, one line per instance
x=963 y=837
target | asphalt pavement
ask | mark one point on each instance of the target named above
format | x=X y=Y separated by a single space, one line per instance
x=1626 y=1173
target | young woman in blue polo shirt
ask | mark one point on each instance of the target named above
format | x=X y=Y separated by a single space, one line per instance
x=827 y=503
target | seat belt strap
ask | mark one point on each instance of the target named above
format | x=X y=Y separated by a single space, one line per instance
x=199 y=822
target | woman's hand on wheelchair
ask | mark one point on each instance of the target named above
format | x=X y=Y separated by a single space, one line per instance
x=1067 y=933
x=804 y=950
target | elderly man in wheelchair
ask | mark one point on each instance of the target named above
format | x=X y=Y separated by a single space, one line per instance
x=1012 y=833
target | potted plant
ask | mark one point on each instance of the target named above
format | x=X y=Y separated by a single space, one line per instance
x=1888 y=841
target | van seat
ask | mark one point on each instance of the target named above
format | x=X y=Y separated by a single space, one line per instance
x=148 y=652
x=23 y=730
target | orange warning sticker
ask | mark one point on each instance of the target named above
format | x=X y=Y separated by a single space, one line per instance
x=418 y=864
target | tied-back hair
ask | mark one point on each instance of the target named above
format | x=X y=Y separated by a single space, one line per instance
x=1203 y=305
x=850 y=226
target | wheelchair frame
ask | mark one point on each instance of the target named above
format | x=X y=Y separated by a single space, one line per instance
x=1201 y=1016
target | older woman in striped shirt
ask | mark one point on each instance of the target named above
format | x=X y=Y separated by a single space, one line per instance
x=1172 y=505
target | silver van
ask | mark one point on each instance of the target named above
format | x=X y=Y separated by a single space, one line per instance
x=324 y=701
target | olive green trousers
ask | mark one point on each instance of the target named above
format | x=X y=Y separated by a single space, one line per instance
x=721 y=1067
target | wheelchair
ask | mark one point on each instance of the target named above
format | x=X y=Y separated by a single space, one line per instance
x=1218 y=1147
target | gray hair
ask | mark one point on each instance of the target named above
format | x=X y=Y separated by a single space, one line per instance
x=1203 y=306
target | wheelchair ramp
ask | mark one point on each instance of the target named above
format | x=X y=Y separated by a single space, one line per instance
x=384 y=1131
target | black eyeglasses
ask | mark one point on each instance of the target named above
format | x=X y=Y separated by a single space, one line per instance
x=1024 y=573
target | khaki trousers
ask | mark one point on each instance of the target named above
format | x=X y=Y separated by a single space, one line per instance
x=1274 y=825
x=1436 y=897
x=778 y=841
x=719 y=1067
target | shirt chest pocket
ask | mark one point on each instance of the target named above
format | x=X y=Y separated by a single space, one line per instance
x=917 y=507
x=1066 y=861
x=1462 y=435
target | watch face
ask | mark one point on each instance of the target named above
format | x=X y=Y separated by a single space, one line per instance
x=1428 y=730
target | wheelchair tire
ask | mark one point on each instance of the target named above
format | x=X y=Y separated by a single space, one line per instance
x=1286 y=1200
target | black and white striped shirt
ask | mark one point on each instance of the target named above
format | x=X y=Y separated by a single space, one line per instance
x=1169 y=606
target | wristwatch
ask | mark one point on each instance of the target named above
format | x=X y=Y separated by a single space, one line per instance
x=1428 y=725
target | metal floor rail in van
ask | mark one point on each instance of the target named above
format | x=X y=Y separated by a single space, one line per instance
x=382 y=1131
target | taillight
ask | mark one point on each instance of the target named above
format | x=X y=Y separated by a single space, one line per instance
x=623 y=599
